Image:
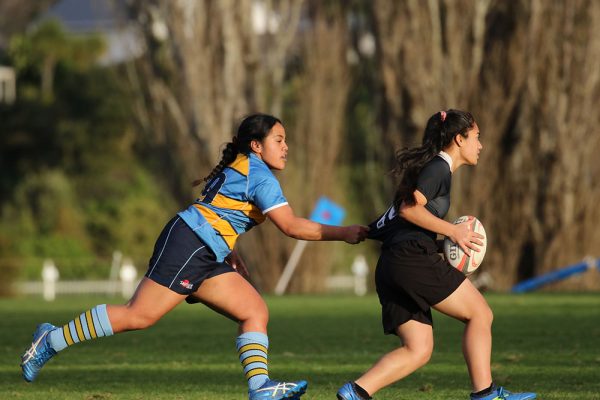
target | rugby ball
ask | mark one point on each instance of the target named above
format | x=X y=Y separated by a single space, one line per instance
x=456 y=257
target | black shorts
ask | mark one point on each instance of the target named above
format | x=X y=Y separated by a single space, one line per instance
x=411 y=277
x=181 y=260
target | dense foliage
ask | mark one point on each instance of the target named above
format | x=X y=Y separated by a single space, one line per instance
x=72 y=186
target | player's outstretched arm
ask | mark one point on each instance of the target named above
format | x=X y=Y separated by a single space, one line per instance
x=304 y=229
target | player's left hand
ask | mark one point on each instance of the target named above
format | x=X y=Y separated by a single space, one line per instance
x=235 y=260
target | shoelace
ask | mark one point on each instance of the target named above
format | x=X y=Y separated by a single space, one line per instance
x=283 y=386
x=502 y=393
x=32 y=351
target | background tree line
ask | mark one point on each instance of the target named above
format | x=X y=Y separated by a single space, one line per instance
x=352 y=81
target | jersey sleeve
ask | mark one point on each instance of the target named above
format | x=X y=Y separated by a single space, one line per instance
x=383 y=226
x=432 y=178
x=267 y=194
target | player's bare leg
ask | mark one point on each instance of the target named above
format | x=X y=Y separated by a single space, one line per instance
x=467 y=304
x=231 y=295
x=150 y=302
x=417 y=346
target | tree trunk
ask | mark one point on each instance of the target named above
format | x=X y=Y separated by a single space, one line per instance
x=207 y=66
x=514 y=65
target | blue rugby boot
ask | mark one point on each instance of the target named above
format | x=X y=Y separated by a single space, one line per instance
x=274 y=390
x=348 y=392
x=502 y=394
x=38 y=354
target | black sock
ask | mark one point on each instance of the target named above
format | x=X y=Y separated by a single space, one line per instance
x=484 y=392
x=360 y=391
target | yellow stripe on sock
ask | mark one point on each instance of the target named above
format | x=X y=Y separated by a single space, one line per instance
x=67 y=335
x=252 y=359
x=90 y=324
x=252 y=346
x=256 y=371
x=79 y=329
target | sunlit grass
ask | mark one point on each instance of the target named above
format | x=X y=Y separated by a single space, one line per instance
x=549 y=343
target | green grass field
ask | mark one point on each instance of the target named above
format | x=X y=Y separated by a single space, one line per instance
x=548 y=343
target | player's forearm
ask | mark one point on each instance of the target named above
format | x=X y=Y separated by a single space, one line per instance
x=420 y=216
x=304 y=229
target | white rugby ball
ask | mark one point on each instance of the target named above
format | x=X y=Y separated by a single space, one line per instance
x=456 y=257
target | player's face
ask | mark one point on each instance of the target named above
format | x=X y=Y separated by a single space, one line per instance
x=273 y=149
x=471 y=146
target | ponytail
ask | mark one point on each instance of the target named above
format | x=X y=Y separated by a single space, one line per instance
x=230 y=153
x=441 y=129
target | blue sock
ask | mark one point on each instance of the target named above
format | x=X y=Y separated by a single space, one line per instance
x=91 y=324
x=252 y=349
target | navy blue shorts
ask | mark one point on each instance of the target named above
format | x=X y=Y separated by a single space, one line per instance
x=181 y=260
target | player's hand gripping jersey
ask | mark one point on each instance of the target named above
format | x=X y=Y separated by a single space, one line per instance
x=233 y=202
x=434 y=183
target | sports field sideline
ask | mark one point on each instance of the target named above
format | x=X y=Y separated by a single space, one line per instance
x=548 y=343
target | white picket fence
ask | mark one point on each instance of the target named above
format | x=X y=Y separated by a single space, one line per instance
x=124 y=279
x=335 y=283
x=50 y=290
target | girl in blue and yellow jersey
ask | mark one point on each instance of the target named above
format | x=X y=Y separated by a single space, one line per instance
x=194 y=259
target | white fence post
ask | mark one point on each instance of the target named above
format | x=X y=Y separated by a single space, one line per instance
x=128 y=273
x=115 y=267
x=360 y=269
x=49 y=277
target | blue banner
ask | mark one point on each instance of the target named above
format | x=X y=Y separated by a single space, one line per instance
x=327 y=212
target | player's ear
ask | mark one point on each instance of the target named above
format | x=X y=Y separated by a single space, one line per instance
x=458 y=139
x=256 y=146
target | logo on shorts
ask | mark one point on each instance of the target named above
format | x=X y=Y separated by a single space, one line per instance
x=186 y=284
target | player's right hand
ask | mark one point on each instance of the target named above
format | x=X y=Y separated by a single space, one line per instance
x=356 y=233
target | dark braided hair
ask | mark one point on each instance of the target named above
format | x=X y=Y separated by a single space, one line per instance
x=253 y=127
x=441 y=129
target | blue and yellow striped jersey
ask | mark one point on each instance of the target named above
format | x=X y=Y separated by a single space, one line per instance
x=233 y=202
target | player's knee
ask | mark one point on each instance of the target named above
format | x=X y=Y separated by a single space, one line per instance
x=141 y=321
x=485 y=315
x=481 y=313
x=256 y=316
x=261 y=314
x=421 y=353
x=489 y=315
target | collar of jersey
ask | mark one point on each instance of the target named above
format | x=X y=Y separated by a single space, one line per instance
x=446 y=157
x=252 y=155
x=257 y=158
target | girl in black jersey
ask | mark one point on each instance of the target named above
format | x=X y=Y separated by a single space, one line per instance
x=411 y=277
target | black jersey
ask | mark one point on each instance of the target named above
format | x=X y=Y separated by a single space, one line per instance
x=434 y=183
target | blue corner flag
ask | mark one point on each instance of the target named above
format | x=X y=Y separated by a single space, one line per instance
x=327 y=212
